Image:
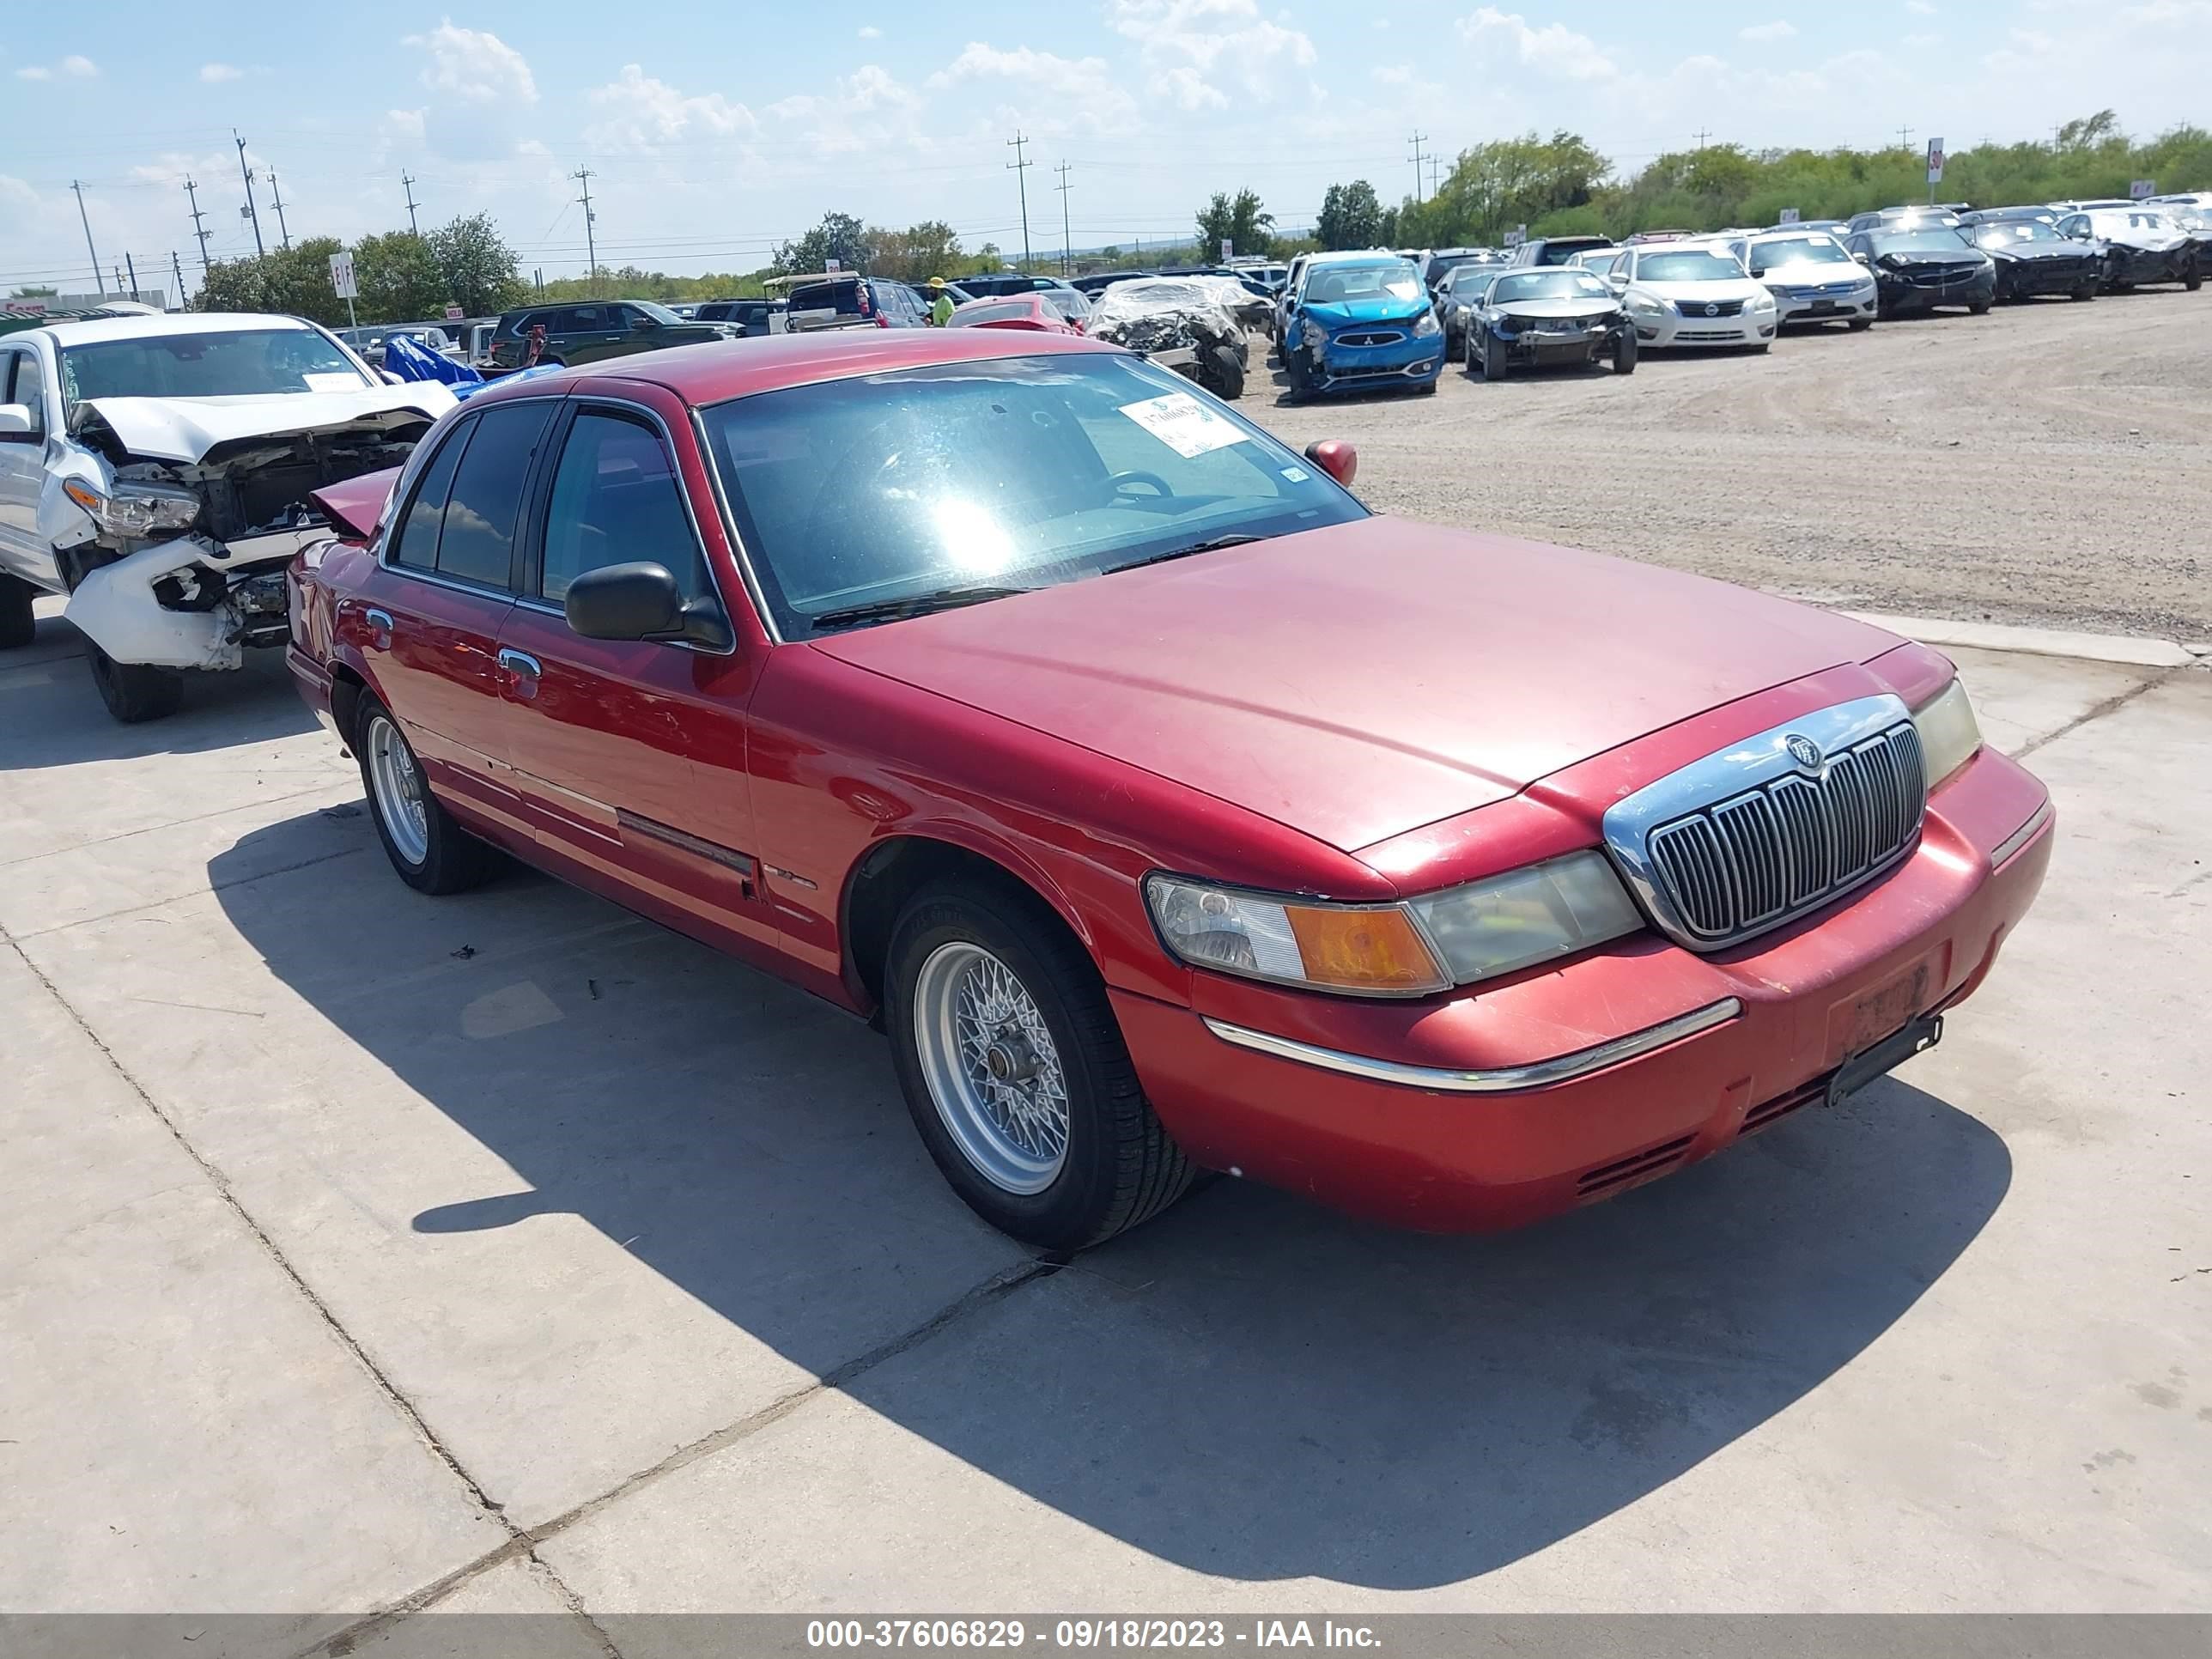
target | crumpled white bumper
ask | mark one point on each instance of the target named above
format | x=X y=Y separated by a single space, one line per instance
x=114 y=607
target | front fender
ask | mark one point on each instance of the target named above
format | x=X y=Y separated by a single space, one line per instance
x=61 y=522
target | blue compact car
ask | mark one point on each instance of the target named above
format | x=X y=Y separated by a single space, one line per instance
x=1361 y=320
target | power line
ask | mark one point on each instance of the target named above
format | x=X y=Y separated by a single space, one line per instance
x=1064 y=239
x=1020 y=166
x=86 y=221
x=260 y=251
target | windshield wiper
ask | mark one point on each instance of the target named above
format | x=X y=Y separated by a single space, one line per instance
x=1211 y=545
x=914 y=605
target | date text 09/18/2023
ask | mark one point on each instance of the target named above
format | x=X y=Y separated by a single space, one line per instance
x=1087 y=1634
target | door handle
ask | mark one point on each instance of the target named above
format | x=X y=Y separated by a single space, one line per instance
x=520 y=664
x=379 y=626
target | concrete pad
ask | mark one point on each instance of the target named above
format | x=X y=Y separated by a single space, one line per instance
x=2022 y=700
x=587 y=1192
x=182 y=1428
x=2035 y=641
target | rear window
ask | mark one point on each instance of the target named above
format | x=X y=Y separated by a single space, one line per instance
x=843 y=298
x=979 y=312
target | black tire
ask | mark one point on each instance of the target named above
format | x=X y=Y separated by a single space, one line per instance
x=1228 y=373
x=1624 y=352
x=2195 y=279
x=1494 y=365
x=1120 y=1167
x=18 y=626
x=1763 y=347
x=455 y=860
x=133 y=691
x=1978 y=309
x=1467 y=358
x=1858 y=325
x=2086 y=291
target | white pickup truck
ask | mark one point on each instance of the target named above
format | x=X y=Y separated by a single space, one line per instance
x=157 y=470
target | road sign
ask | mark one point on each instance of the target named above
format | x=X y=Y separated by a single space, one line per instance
x=342 y=277
x=831 y=264
x=1228 y=250
x=1934 y=161
x=22 y=309
x=1789 y=216
x=2143 y=189
x=454 y=314
x=1515 y=236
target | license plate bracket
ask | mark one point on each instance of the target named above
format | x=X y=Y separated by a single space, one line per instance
x=1914 y=1036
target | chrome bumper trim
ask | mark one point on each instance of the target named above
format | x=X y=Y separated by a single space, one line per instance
x=1507 y=1080
x=2020 y=838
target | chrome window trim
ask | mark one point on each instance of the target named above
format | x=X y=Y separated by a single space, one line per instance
x=1501 y=1080
x=740 y=555
x=1748 y=764
x=2020 y=838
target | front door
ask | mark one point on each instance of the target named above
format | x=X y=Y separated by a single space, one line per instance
x=631 y=755
x=23 y=468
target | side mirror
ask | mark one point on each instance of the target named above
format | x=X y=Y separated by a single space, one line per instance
x=1336 y=458
x=17 y=421
x=1864 y=259
x=636 y=601
x=642 y=321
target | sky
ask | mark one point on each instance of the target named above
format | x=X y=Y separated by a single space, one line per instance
x=712 y=132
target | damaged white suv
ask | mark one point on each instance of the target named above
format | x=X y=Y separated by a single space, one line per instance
x=157 y=470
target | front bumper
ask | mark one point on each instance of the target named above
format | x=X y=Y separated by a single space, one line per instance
x=1672 y=328
x=2166 y=265
x=1413 y=359
x=1823 y=302
x=1901 y=296
x=2023 y=278
x=1542 y=346
x=1445 y=1128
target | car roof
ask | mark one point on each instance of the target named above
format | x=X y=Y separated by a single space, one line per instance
x=165 y=324
x=1351 y=256
x=717 y=370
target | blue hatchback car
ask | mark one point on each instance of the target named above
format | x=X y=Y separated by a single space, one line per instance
x=1359 y=320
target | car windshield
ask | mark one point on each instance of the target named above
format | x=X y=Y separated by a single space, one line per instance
x=660 y=313
x=236 y=363
x=1394 y=279
x=1444 y=264
x=2007 y=232
x=1797 y=251
x=1934 y=240
x=976 y=311
x=1016 y=472
x=1685 y=265
x=1548 y=285
x=1069 y=302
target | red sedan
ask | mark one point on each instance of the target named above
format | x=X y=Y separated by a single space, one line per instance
x=1168 y=810
x=1049 y=311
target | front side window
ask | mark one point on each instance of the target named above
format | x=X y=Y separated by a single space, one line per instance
x=616 y=499
x=26 y=387
x=235 y=363
x=1018 y=471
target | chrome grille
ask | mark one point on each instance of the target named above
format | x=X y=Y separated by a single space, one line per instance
x=1744 y=840
x=1380 y=336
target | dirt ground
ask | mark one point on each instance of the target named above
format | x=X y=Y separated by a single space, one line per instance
x=2048 y=464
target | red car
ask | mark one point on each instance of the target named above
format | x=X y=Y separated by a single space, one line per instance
x=1049 y=311
x=1169 y=810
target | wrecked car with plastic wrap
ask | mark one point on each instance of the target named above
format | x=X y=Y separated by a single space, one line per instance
x=160 y=471
x=1192 y=325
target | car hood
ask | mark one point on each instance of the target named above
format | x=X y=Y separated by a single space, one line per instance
x=1362 y=680
x=1336 y=313
x=187 y=430
x=2041 y=250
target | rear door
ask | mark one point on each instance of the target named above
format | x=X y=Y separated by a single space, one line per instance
x=427 y=622
x=631 y=755
x=582 y=334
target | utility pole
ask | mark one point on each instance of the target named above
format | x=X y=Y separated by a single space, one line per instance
x=1020 y=166
x=408 y=185
x=253 y=212
x=1905 y=137
x=131 y=265
x=1701 y=135
x=99 y=282
x=191 y=195
x=1417 y=141
x=583 y=176
x=277 y=202
x=1436 y=163
x=177 y=268
x=1066 y=256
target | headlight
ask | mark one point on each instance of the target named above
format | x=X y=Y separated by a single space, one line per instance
x=1312 y=335
x=1372 y=949
x=135 y=509
x=1525 y=916
x=1645 y=305
x=1426 y=324
x=1949 y=735
x=1761 y=301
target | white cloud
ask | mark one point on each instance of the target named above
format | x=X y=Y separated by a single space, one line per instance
x=870 y=31
x=34 y=72
x=642 y=113
x=212 y=73
x=1555 y=49
x=1050 y=91
x=71 y=68
x=1919 y=8
x=474 y=65
x=1923 y=42
x=82 y=69
x=1780 y=29
x=1191 y=46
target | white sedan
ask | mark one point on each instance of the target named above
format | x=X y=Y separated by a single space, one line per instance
x=1692 y=294
x=1812 y=278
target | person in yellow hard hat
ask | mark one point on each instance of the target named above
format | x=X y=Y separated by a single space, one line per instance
x=940 y=303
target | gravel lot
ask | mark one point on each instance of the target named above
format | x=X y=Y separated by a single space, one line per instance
x=2045 y=464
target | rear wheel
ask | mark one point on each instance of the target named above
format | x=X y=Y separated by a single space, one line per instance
x=133 y=691
x=18 y=626
x=1624 y=352
x=1228 y=375
x=430 y=851
x=1016 y=1074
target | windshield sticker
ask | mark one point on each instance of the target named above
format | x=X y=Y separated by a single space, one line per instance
x=332 y=382
x=1296 y=474
x=1184 y=424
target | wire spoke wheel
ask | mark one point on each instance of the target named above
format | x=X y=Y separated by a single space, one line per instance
x=992 y=1068
x=397 y=781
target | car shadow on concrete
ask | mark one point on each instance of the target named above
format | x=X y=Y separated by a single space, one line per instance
x=1249 y=1386
x=51 y=714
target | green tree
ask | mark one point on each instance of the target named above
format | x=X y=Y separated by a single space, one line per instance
x=916 y=253
x=480 y=273
x=293 y=282
x=1247 y=227
x=1352 y=216
x=399 y=279
x=840 y=236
